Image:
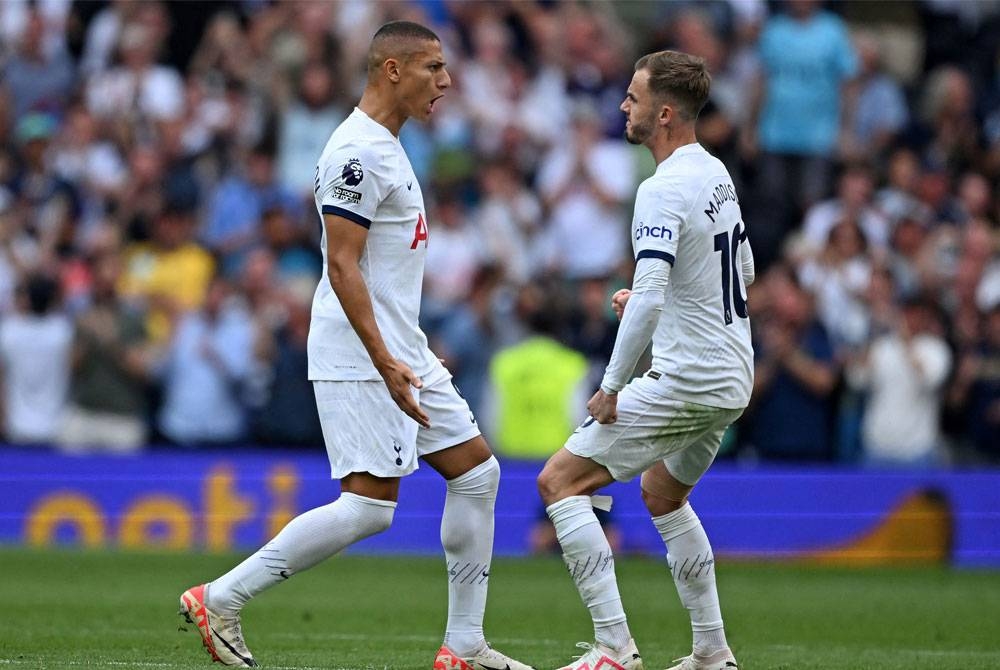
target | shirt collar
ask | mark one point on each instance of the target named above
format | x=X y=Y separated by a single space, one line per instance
x=692 y=148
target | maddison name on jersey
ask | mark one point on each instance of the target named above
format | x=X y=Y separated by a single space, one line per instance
x=722 y=194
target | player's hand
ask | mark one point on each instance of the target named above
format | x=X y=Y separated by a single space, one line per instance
x=603 y=407
x=618 y=301
x=399 y=379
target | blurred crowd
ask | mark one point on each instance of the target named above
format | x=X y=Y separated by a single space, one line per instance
x=159 y=241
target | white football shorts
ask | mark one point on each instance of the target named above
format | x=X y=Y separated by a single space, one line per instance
x=653 y=427
x=365 y=431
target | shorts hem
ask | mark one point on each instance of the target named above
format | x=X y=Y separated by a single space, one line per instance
x=424 y=449
x=340 y=474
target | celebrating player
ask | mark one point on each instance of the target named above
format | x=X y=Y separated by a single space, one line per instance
x=668 y=424
x=384 y=399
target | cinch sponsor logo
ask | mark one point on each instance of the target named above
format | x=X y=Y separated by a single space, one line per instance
x=659 y=232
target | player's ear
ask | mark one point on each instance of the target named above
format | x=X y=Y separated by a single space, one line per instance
x=666 y=115
x=391 y=69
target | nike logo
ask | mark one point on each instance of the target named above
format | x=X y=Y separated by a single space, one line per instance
x=486 y=667
x=284 y=574
x=409 y=186
x=249 y=661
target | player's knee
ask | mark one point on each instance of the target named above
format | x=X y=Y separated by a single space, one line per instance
x=549 y=487
x=658 y=506
x=481 y=481
x=371 y=516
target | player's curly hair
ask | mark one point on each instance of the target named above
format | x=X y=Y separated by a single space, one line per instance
x=681 y=78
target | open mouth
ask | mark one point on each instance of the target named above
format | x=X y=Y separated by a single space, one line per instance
x=430 y=105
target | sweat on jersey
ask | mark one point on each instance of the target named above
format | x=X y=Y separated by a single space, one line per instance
x=364 y=176
x=687 y=215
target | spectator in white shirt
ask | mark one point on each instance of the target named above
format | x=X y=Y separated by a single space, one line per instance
x=904 y=372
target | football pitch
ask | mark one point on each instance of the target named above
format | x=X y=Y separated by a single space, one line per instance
x=69 y=609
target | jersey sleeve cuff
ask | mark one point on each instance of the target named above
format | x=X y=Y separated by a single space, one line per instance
x=347 y=214
x=655 y=253
x=609 y=390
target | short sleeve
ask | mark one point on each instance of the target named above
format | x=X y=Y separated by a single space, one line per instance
x=354 y=180
x=659 y=218
x=847 y=57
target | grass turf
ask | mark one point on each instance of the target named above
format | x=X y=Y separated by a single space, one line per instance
x=67 y=609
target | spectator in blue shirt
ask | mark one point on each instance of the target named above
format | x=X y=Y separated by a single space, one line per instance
x=795 y=121
x=790 y=416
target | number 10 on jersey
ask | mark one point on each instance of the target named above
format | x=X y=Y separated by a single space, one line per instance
x=728 y=245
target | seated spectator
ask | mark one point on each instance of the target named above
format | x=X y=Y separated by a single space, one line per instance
x=35 y=345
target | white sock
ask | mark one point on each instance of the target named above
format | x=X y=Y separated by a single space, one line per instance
x=590 y=562
x=307 y=539
x=692 y=564
x=467 y=538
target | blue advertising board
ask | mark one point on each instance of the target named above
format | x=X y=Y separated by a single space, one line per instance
x=238 y=499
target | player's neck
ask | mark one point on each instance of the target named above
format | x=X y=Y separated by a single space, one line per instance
x=382 y=110
x=667 y=143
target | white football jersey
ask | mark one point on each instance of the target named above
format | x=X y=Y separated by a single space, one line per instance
x=365 y=177
x=688 y=214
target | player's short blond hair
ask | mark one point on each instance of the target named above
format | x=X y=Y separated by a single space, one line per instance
x=681 y=78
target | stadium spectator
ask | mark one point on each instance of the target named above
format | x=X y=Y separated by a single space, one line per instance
x=35 y=349
x=838 y=278
x=796 y=114
x=584 y=183
x=288 y=415
x=169 y=274
x=47 y=205
x=138 y=91
x=590 y=327
x=508 y=220
x=466 y=338
x=877 y=110
x=108 y=396
x=975 y=390
x=904 y=372
x=312 y=113
x=853 y=201
x=204 y=369
x=36 y=79
x=234 y=220
x=791 y=413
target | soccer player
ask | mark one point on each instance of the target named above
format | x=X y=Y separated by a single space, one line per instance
x=688 y=295
x=384 y=399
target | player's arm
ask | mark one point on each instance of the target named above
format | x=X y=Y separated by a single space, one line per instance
x=345 y=244
x=746 y=258
x=641 y=314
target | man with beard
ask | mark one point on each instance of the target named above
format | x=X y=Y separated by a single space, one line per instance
x=384 y=398
x=693 y=262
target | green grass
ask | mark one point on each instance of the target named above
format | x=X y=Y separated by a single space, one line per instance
x=65 y=609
